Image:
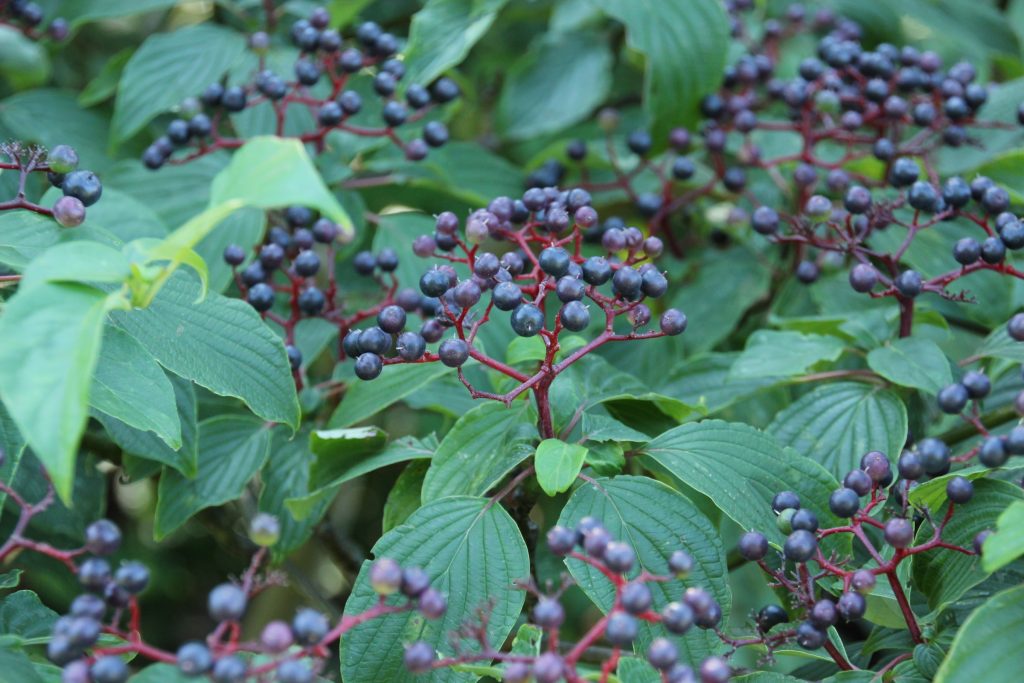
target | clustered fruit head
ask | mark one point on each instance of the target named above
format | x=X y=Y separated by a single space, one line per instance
x=804 y=533
x=293 y=270
x=288 y=651
x=590 y=542
x=321 y=82
x=536 y=273
x=896 y=105
x=28 y=16
x=80 y=187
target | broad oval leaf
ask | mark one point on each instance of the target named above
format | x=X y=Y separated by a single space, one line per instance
x=988 y=645
x=218 y=343
x=669 y=34
x=557 y=464
x=158 y=76
x=838 y=423
x=131 y=386
x=771 y=353
x=483 y=446
x=52 y=334
x=945 y=575
x=232 y=449
x=912 y=362
x=443 y=32
x=473 y=552
x=577 y=66
x=741 y=469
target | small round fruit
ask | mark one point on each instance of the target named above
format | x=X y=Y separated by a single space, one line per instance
x=863 y=277
x=753 y=546
x=953 y=398
x=800 y=546
x=621 y=629
x=575 y=316
x=368 y=366
x=898 y=532
x=309 y=626
x=102 y=537
x=785 y=500
x=62 y=159
x=84 y=185
x=844 y=502
x=527 y=320
x=960 y=490
x=227 y=602
x=673 y=322
x=453 y=352
x=69 y=212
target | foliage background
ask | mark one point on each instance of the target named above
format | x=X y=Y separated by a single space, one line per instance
x=533 y=74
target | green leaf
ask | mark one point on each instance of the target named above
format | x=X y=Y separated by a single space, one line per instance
x=576 y=65
x=912 y=362
x=157 y=76
x=81 y=261
x=404 y=497
x=23 y=61
x=473 y=552
x=694 y=33
x=52 y=336
x=23 y=616
x=479 y=450
x=79 y=12
x=270 y=173
x=654 y=520
x=203 y=342
x=1007 y=543
x=741 y=469
x=16 y=665
x=771 y=353
x=24 y=235
x=443 y=32
x=161 y=673
x=836 y=424
x=131 y=386
x=146 y=444
x=988 y=645
x=944 y=575
x=10 y=579
x=232 y=449
x=727 y=283
x=52 y=117
x=468 y=171
x=363 y=400
x=706 y=381
x=344 y=454
x=604 y=428
x=999 y=344
x=183 y=190
x=557 y=464
x=243 y=227
x=286 y=475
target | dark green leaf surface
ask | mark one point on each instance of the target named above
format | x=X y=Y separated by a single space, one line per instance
x=473 y=553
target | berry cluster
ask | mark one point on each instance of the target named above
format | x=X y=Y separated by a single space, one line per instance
x=932 y=456
x=81 y=188
x=802 y=568
x=27 y=17
x=544 y=269
x=590 y=543
x=291 y=264
x=101 y=628
x=893 y=107
x=321 y=85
